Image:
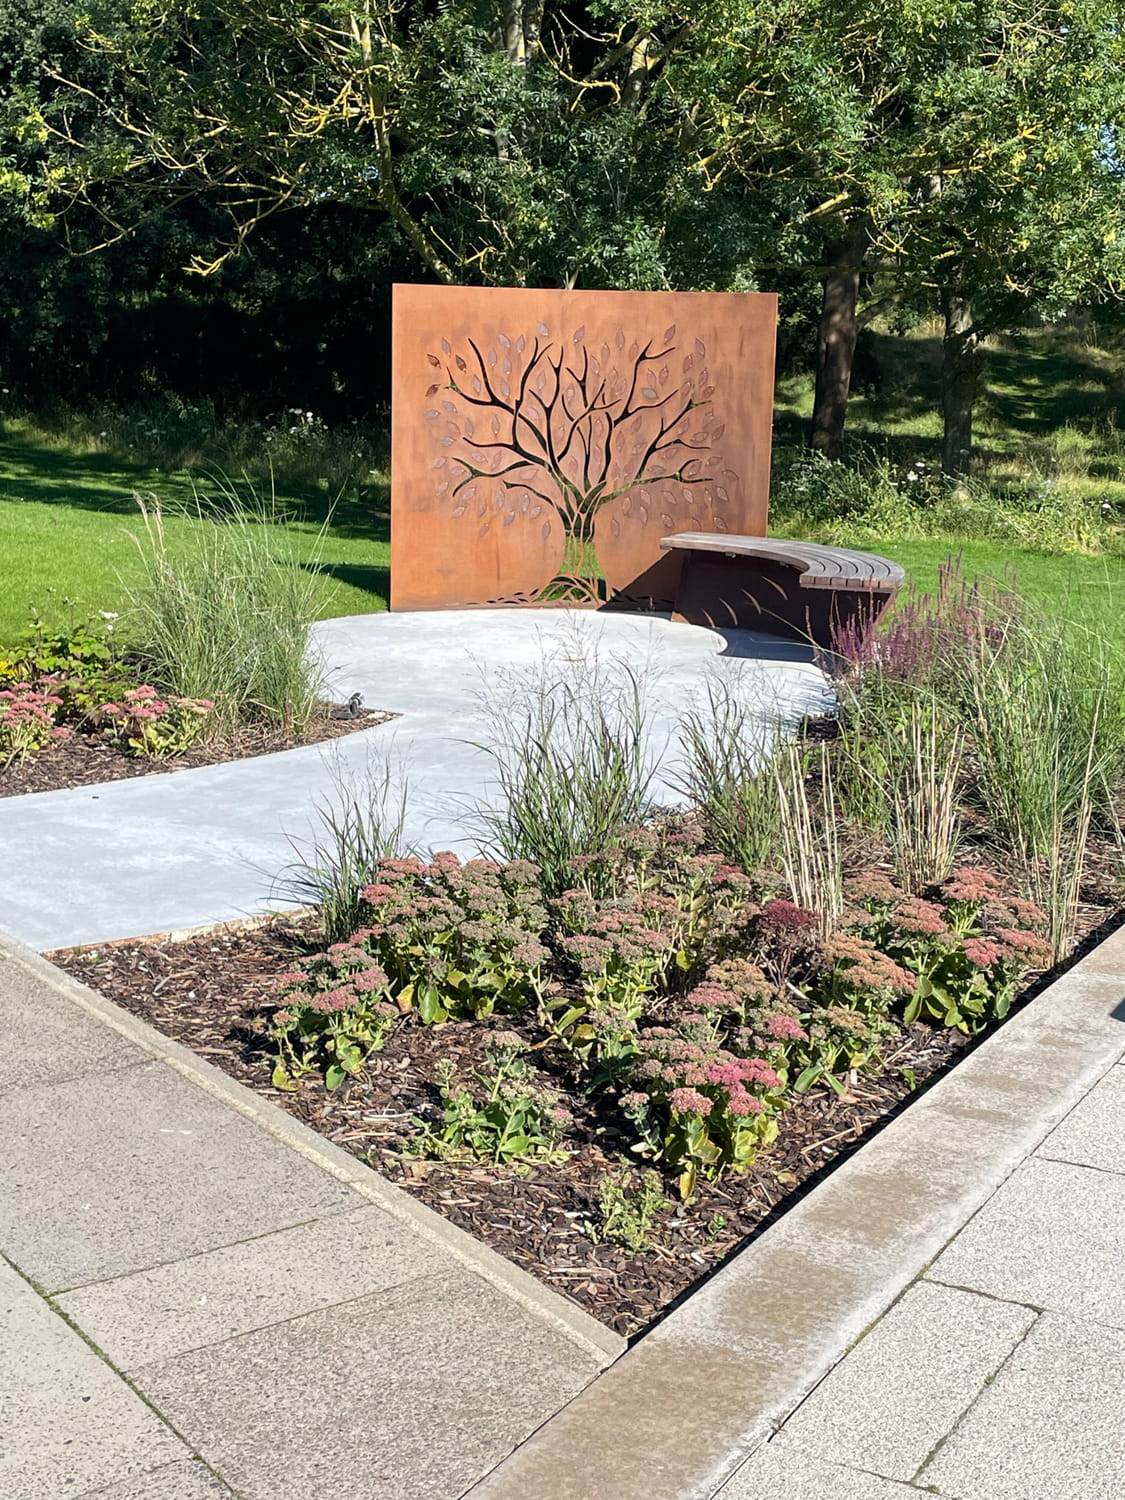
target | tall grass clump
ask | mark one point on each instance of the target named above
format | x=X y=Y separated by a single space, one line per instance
x=811 y=833
x=728 y=777
x=1048 y=718
x=900 y=772
x=572 y=768
x=225 y=615
x=359 y=823
x=1027 y=710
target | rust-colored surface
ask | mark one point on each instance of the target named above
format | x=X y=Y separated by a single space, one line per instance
x=757 y=593
x=544 y=441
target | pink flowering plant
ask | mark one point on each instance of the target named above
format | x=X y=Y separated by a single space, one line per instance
x=699 y=1107
x=28 y=720
x=618 y=963
x=501 y=1113
x=662 y=874
x=457 y=940
x=335 y=1011
x=144 y=723
x=968 y=947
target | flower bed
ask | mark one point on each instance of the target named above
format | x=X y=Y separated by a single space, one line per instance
x=615 y=1125
x=75 y=710
x=616 y=1064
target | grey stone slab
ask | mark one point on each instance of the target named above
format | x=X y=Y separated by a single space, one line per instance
x=410 y=1394
x=903 y=1387
x=1048 y=1428
x=158 y=853
x=1109 y=956
x=761 y=1333
x=68 y=1422
x=1093 y=1134
x=783 y=1470
x=110 y=1174
x=186 y=1481
x=207 y=1298
x=47 y=1038
x=1052 y=1236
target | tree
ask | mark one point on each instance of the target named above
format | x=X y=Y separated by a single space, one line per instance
x=559 y=431
x=508 y=144
x=920 y=154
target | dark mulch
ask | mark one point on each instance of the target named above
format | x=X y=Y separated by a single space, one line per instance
x=209 y=993
x=87 y=758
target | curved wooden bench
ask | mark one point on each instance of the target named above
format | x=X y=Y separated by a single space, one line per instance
x=801 y=589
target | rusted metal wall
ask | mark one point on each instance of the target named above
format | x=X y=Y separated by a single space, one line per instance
x=544 y=441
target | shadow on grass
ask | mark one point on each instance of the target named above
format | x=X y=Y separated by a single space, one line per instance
x=101 y=482
x=372 y=580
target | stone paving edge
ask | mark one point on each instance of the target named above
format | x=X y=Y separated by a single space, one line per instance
x=680 y=1413
x=564 y=1316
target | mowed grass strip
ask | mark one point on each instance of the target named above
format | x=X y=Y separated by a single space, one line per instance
x=69 y=527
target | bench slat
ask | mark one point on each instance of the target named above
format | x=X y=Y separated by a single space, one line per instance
x=821 y=566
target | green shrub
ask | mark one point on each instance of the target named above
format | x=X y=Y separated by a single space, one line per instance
x=226 y=617
x=501 y=1113
x=571 y=767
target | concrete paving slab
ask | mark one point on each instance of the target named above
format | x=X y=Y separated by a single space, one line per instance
x=68 y=1422
x=1093 y=1134
x=160 y=853
x=211 y=1297
x=762 y=1332
x=1048 y=1428
x=186 y=1481
x=867 y=1412
x=783 y=1470
x=46 y=1040
x=1053 y=1236
x=406 y=1395
x=118 y=1172
x=1108 y=957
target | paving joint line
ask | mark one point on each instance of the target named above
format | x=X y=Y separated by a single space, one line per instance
x=543 y=1303
x=988 y=1382
x=96 y=1349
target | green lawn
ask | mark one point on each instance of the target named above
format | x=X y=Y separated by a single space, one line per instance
x=1088 y=591
x=67 y=519
x=68 y=522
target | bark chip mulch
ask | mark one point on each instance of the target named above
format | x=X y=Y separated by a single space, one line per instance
x=212 y=994
x=87 y=758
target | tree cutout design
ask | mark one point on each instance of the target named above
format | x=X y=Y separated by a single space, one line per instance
x=555 y=431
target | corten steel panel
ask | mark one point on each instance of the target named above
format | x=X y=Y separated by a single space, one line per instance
x=541 y=438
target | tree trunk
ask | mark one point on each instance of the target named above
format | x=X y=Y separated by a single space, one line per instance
x=835 y=339
x=960 y=374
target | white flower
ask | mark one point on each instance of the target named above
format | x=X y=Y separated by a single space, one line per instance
x=109 y=614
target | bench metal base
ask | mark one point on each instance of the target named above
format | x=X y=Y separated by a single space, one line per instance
x=757 y=594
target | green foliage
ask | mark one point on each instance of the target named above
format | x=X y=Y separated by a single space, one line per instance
x=457 y=940
x=629 y=1204
x=244 y=647
x=27 y=721
x=335 y=1012
x=501 y=1114
x=143 y=724
x=82 y=651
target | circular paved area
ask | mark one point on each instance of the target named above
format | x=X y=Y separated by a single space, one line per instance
x=160 y=853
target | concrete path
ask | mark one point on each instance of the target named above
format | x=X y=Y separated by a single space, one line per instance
x=944 y=1314
x=163 y=853
x=201 y=1298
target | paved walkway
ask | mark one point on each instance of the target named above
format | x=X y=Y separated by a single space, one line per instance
x=199 y=1297
x=944 y=1314
x=163 y=853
